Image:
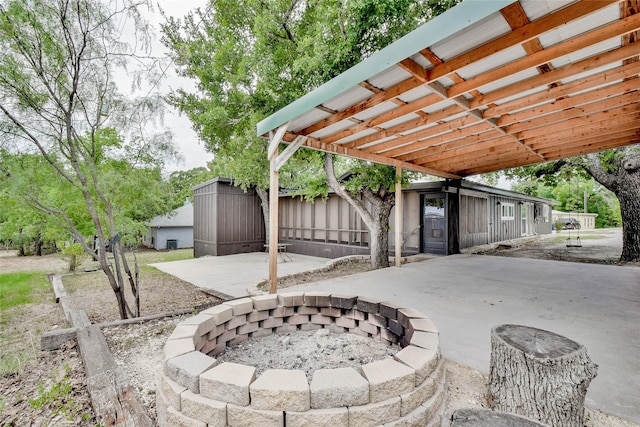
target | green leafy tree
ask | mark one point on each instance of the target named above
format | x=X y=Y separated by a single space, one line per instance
x=99 y=158
x=617 y=170
x=251 y=58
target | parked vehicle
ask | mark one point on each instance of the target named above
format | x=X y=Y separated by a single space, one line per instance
x=569 y=223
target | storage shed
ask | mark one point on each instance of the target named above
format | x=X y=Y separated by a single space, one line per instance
x=227 y=220
x=173 y=230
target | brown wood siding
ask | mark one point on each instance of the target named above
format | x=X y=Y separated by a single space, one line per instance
x=227 y=220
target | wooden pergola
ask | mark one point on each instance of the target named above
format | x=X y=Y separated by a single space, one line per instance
x=486 y=86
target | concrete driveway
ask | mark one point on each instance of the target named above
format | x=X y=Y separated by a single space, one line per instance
x=466 y=295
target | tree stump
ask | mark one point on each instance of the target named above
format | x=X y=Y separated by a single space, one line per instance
x=472 y=417
x=539 y=374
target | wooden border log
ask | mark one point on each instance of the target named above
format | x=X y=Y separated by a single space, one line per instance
x=539 y=374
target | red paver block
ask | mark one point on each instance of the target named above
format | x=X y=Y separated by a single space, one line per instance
x=346 y=322
x=281 y=311
x=257 y=315
x=272 y=322
x=368 y=305
x=389 y=310
x=298 y=319
x=344 y=301
x=248 y=328
x=303 y=309
x=236 y=321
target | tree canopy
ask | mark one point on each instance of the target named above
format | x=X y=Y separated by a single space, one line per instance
x=74 y=147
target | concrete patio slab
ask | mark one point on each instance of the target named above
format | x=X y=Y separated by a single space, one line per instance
x=233 y=274
x=466 y=295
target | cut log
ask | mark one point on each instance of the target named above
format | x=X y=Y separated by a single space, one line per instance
x=539 y=374
x=473 y=417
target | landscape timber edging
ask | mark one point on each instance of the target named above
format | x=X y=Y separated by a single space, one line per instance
x=196 y=389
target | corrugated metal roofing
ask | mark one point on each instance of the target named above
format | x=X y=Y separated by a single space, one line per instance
x=488 y=85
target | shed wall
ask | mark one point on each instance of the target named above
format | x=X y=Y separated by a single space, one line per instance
x=226 y=220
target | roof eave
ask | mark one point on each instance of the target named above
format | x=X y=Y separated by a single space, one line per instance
x=452 y=21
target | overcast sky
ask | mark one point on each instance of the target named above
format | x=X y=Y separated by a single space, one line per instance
x=191 y=148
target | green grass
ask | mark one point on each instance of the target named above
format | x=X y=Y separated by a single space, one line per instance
x=21 y=288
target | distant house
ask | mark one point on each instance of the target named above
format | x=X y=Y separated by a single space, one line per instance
x=587 y=220
x=439 y=217
x=173 y=230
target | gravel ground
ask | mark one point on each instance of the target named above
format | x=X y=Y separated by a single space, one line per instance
x=138 y=347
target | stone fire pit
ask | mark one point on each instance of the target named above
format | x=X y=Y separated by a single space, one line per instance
x=197 y=390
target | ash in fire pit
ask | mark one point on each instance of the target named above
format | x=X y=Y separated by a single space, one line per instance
x=308 y=351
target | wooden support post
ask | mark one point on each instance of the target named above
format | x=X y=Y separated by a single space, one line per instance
x=398 y=218
x=273 y=223
x=539 y=374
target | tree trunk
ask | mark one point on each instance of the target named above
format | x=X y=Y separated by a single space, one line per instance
x=622 y=177
x=539 y=374
x=375 y=217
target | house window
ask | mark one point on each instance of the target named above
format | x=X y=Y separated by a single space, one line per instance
x=508 y=211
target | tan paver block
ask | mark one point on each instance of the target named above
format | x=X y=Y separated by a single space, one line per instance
x=374 y=414
x=291 y=299
x=333 y=388
x=388 y=378
x=281 y=390
x=281 y=311
x=177 y=347
x=416 y=418
x=228 y=382
x=212 y=412
x=183 y=331
x=425 y=325
x=247 y=328
x=245 y=416
x=265 y=302
x=162 y=403
x=240 y=306
x=426 y=340
x=261 y=333
x=171 y=390
x=221 y=313
x=178 y=419
x=303 y=309
x=422 y=393
x=186 y=369
x=404 y=314
x=204 y=323
x=345 y=322
x=422 y=360
x=435 y=405
x=368 y=327
x=318 y=418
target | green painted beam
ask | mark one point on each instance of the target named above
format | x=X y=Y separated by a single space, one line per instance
x=452 y=21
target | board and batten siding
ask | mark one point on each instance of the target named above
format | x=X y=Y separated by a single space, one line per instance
x=227 y=220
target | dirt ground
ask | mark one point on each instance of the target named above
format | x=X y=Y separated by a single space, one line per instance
x=138 y=347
